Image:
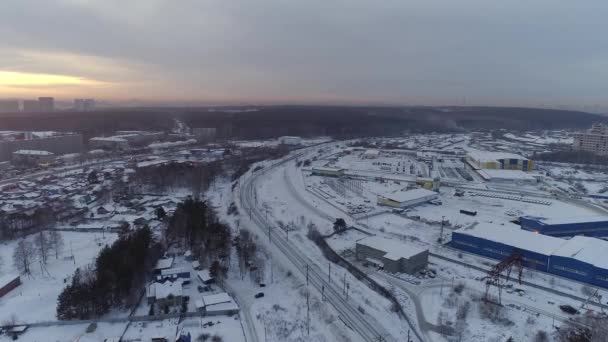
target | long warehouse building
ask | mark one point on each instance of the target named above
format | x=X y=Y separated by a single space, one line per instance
x=58 y=144
x=571 y=226
x=581 y=258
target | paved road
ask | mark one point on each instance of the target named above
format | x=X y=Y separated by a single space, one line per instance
x=366 y=326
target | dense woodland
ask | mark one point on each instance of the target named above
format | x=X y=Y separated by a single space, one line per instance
x=273 y=121
x=115 y=280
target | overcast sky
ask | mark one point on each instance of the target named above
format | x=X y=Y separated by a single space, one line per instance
x=515 y=52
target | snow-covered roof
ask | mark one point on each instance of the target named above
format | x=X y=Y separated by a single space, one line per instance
x=217 y=298
x=394 y=250
x=505 y=174
x=586 y=249
x=371 y=152
x=164 y=290
x=571 y=219
x=204 y=275
x=485 y=156
x=513 y=236
x=405 y=196
x=114 y=139
x=162 y=264
x=172 y=271
x=7 y=278
x=34 y=152
x=328 y=169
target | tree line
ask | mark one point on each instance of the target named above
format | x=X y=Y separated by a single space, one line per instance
x=114 y=281
x=195 y=226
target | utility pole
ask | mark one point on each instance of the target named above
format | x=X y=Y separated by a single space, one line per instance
x=269 y=241
x=323 y=292
x=306 y=274
x=344 y=290
x=271 y=270
x=441 y=234
x=329 y=272
x=308 y=312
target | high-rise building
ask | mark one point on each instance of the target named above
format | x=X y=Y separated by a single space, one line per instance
x=31 y=106
x=593 y=140
x=47 y=104
x=84 y=105
x=9 y=106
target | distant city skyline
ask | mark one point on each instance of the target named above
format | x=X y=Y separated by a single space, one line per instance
x=471 y=52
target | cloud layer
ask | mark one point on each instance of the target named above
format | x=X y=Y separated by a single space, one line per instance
x=392 y=51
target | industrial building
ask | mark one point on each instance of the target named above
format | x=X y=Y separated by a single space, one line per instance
x=581 y=258
x=395 y=257
x=32 y=157
x=406 y=199
x=108 y=143
x=506 y=176
x=570 y=226
x=593 y=140
x=327 y=171
x=290 y=140
x=8 y=282
x=57 y=144
x=429 y=183
x=123 y=140
x=499 y=160
x=371 y=154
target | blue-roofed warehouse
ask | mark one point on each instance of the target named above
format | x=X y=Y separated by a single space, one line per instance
x=571 y=226
x=581 y=258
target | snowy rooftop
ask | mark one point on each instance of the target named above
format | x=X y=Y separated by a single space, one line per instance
x=164 y=290
x=586 y=249
x=116 y=139
x=505 y=174
x=204 y=275
x=34 y=152
x=164 y=263
x=7 y=278
x=404 y=196
x=394 y=250
x=513 y=236
x=217 y=298
x=485 y=156
x=329 y=169
x=573 y=219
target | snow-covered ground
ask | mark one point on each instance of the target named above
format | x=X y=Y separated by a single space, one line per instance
x=35 y=299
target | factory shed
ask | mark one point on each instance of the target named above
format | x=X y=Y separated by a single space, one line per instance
x=582 y=258
x=394 y=256
x=498 y=242
x=570 y=226
x=405 y=199
x=327 y=171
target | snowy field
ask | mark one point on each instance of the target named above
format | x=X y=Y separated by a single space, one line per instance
x=35 y=299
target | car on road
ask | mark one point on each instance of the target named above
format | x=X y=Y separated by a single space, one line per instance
x=259 y=295
x=569 y=309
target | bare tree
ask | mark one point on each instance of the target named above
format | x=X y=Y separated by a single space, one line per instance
x=23 y=256
x=56 y=241
x=42 y=246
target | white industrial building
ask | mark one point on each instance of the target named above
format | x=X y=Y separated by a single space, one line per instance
x=32 y=157
x=507 y=176
x=371 y=154
x=290 y=140
x=406 y=199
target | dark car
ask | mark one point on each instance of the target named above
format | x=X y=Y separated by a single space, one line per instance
x=568 y=309
x=259 y=295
